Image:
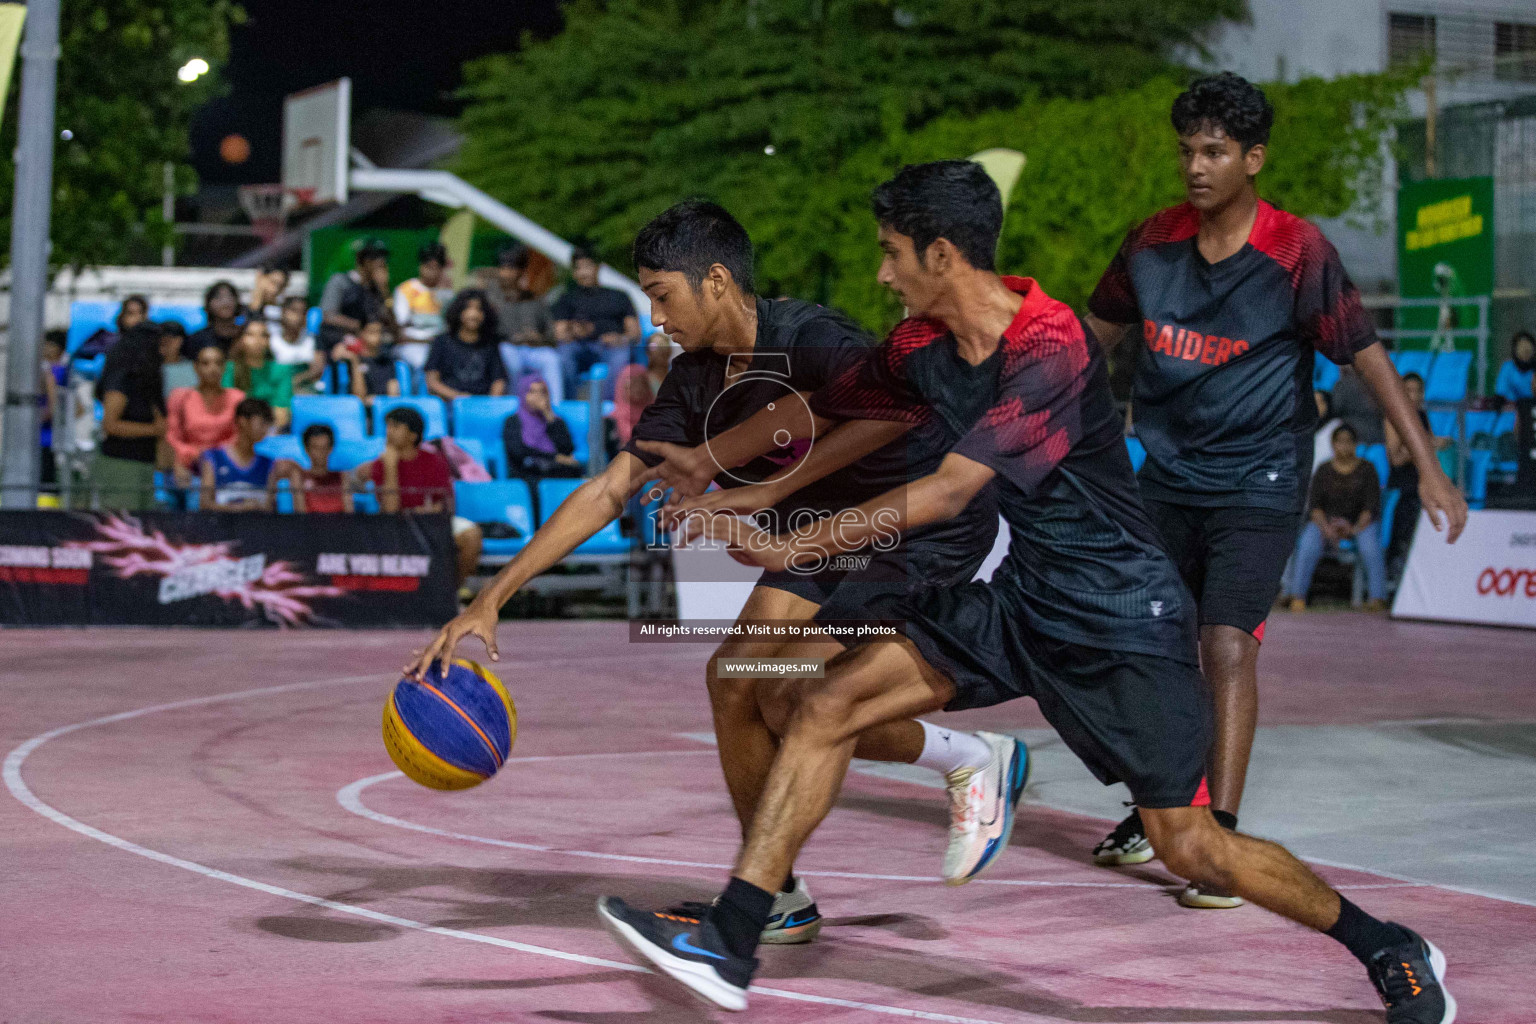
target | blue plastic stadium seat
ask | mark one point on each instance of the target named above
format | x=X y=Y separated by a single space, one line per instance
x=1376 y=455
x=1481 y=421
x=312 y=320
x=472 y=447
x=480 y=417
x=1479 y=462
x=1447 y=380
x=405 y=377
x=1389 y=500
x=1325 y=374
x=610 y=540
x=282 y=446
x=353 y=452
x=1138 y=453
x=193 y=318
x=577 y=416
x=1412 y=362
x=89 y=369
x=284 y=498
x=497 y=501
x=433 y=410
x=1442 y=422
x=343 y=412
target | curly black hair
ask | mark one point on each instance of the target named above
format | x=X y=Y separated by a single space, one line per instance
x=454 y=314
x=1228 y=103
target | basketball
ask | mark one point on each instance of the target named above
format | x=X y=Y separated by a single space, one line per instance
x=450 y=731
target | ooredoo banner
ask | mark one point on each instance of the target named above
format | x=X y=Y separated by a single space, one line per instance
x=1488 y=576
x=224 y=569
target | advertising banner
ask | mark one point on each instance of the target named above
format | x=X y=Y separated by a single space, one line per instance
x=1488 y=576
x=225 y=569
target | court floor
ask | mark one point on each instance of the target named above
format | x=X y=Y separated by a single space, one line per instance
x=204 y=826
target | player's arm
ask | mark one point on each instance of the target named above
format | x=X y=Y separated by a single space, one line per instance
x=1109 y=334
x=843 y=445
x=1446 y=507
x=593 y=505
x=688 y=471
x=942 y=494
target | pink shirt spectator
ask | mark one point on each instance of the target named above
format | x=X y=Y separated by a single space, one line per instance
x=192 y=428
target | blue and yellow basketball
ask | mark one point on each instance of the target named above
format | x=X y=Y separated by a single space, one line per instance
x=450 y=731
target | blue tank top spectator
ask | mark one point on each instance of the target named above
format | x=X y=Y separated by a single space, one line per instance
x=235 y=477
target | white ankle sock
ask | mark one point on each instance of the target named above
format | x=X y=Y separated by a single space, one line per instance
x=944 y=750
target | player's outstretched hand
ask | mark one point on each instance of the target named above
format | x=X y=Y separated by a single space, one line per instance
x=1446 y=507
x=688 y=471
x=742 y=501
x=747 y=544
x=476 y=620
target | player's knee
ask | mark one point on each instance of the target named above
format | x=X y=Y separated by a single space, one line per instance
x=727 y=692
x=1196 y=853
x=775 y=703
x=821 y=712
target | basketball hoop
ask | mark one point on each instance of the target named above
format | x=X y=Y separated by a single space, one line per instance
x=268 y=207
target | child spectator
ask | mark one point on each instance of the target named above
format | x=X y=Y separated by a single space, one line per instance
x=593 y=324
x=176 y=368
x=236 y=478
x=266 y=301
x=221 y=304
x=538 y=442
x=293 y=345
x=318 y=488
x=133 y=311
x=419 y=305
x=410 y=478
x=1517 y=377
x=1345 y=504
x=353 y=298
x=465 y=360
x=203 y=417
x=253 y=370
x=372 y=365
x=52 y=374
x=132 y=423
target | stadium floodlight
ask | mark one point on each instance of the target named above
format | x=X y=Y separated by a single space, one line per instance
x=192 y=70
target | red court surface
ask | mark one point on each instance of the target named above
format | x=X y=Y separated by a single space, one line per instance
x=204 y=826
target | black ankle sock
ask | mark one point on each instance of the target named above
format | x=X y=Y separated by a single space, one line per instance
x=739 y=916
x=789 y=883
x=1226 y=819
x=1363 y=934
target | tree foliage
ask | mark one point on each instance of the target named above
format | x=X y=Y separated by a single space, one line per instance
x=119 y=97
x=583 y=136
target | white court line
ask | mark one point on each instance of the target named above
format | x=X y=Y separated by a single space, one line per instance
x=23 y=793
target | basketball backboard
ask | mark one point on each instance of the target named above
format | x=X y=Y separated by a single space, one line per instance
x=317 y=140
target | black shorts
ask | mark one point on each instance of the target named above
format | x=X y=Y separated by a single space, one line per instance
x=1140 y=719
x=1231 y=558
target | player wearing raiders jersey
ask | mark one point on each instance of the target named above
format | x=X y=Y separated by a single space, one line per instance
x=1088 y=615
x=1226 y=299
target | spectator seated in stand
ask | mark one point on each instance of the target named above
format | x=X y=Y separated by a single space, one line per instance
x=253 y=370
x=1345 y=504
x=221 y=304
x=353 y=298
x=523 y=321
x=632 y=395
x=266 y=298
x=53 y=372
x=371 y=362
x=410 y=478
x=1517 y=377
x=465 y=359
x=593 y=324
x=237 y=478
x=132 y=396
x=176 y=368
x=200 y=418
x=538 y=442
x=419 y=305
x=1354 y=403
x=318 y=488
x=1403 y=476
x=134 y=311
x=293 y=345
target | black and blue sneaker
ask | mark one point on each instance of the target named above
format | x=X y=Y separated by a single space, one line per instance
x=794 y=918
x=688 y=949
x=1410 y=978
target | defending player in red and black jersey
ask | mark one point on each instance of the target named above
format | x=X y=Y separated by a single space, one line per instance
x=1227 y=299
x=1087 y=614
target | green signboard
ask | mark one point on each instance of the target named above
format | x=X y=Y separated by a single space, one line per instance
x=330 y=250
x=1444 y=250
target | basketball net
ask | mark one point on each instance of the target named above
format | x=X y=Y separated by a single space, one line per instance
x=268 y=207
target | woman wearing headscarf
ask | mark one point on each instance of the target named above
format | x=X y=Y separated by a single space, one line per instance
x=132 y=396
x=538 y=442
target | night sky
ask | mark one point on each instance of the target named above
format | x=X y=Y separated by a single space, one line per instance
x=401 y=54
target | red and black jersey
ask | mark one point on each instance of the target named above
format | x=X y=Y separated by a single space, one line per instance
x=1223 y=388
x=1083 y=553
